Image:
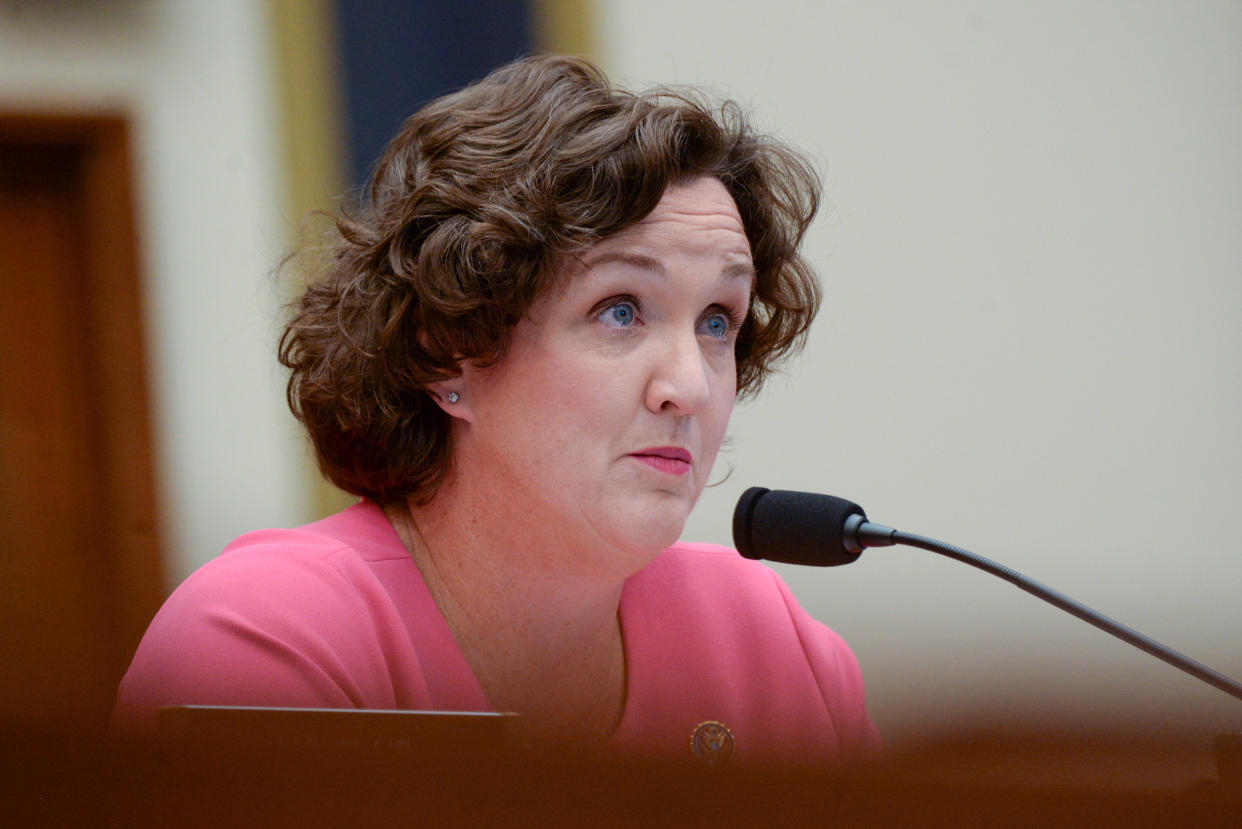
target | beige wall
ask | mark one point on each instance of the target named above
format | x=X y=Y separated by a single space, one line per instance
x=1032 y=341
x=196 y=80
x=1030 y=345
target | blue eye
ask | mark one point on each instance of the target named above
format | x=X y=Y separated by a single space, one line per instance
x=716 y=325
x=620 y=314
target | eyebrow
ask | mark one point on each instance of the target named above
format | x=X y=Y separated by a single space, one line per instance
x=639 y=260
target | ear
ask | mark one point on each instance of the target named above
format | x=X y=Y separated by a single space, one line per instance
x=453 y=397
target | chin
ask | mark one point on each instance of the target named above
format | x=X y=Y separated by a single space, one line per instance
x=653 y=527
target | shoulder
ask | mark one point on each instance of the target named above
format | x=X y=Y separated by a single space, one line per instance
x=280 y=571
x=282 y=616
x=713 y=588
x=360 y=533
x=296 y=577
x=735 y=620
x=706 y=572
x=693 y=559
x=734 y=592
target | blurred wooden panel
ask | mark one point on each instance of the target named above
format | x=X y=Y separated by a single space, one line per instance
x=982 y=779
x=79 y=558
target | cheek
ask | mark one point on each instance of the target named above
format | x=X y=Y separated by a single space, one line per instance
x=720 y=410
x=581 y=406
x=726 y=390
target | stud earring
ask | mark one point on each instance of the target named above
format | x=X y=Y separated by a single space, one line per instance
x=453 y=397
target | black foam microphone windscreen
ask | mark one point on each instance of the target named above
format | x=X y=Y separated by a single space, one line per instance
x=793 y=527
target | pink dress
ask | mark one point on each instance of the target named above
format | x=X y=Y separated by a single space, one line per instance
x=336 y=615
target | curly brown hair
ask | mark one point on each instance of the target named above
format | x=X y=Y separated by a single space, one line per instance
x=473 y=205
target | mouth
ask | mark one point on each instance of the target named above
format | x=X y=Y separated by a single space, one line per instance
x=672 y=460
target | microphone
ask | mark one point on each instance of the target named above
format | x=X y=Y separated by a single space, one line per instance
x=804 y=528
x=825 y=531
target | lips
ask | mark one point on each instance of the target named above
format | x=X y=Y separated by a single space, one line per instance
x=673 y=460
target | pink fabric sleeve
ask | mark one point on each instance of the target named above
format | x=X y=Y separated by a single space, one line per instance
x=262 y=626
x=711 y=636
x=840 y=681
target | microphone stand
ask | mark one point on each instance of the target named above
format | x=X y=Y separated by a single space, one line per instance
x=826 y=531
x=860 y=533
x=876 y=535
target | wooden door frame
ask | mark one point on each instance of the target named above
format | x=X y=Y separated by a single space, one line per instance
x=130 y=568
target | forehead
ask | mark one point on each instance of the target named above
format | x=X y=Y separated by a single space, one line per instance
x=698 y=215
x=695 y=220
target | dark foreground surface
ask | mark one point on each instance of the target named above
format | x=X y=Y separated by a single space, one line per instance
x=51 y=779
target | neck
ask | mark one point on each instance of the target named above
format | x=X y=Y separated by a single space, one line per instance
x=538 y=628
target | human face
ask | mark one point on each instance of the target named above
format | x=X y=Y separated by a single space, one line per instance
x=603 y=418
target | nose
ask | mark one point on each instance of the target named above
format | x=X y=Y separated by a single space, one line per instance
x=679 y=376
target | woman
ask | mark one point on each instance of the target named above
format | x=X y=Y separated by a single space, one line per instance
x=523 y=356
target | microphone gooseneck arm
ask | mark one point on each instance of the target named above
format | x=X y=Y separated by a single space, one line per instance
x=1123 y=632
x=822 y=530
